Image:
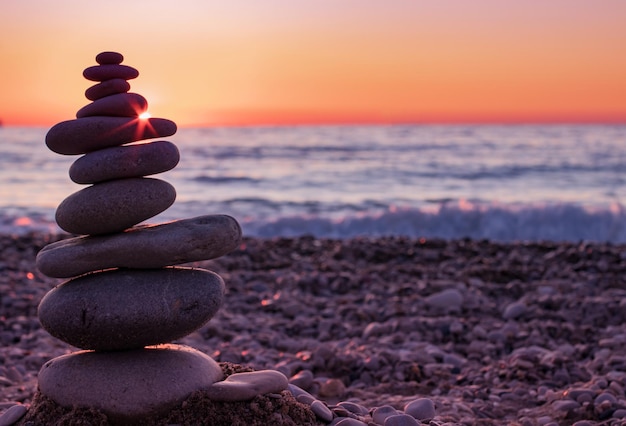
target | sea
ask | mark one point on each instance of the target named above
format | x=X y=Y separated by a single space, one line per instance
x=498 y=182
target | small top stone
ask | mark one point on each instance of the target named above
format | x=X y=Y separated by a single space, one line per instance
x=109 y=58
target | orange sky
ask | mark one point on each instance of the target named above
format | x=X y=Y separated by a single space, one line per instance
x=323 y=61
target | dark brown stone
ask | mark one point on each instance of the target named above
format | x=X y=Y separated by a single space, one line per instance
x=107 y=88
x=127 y=161
x=119 y=105
x=109 y=71
x=92 y=133
x=156 y=246
x=129 y=309
x=114 y=206
x=109 y=58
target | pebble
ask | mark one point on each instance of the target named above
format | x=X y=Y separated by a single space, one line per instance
x=303 y=379
x=88 y=134
x=106 y=88
x=381 y=413
x=109 y=71
x=423 y=409
x=321 y=411
x=514 y=310
x=448 y=299
x=13 y=414
x=347 y=421
x=401 y=420
x=128 y=386
x=245 y=386
x=109 y=58
x=117 y=105
x=114 y=206
x=128 y=309
x=125 y=162
x=353 y=407
x=143 y=247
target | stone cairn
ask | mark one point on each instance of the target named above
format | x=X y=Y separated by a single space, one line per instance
x=125 y=300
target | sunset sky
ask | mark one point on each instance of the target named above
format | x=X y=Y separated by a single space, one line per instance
x=235 y=62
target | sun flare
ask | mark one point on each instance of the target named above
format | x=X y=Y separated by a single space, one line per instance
x=145 y=115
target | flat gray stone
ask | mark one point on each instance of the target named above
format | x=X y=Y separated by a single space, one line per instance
x=13 y=414
x=118 y=105
x=88 y=134
x=114 y=206
x=245 y=386
x=126 y=161
x=142 y=247
x=131 y=308
x=128 y=385
x=106 y=88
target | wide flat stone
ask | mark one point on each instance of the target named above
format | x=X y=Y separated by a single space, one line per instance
x=119 y=105
x=109 y=71
x=88 y=134
x=114 y=206
x=106 y=88
x=126 y=161
x=131 y=308
x=245 y=386
x=128 y=386
x=142 y=247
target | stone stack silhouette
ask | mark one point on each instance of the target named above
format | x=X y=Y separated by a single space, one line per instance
x=125 y=300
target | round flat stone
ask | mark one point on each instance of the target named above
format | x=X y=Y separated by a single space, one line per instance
x=119 y=105
x=245 y=386
x=106 y=88
x=114 y=206
x=156 y=246
x=126 y=161
x=109 y=71
x=131 y=308
x=109 y=58
x=128 y=386
x=88 y=134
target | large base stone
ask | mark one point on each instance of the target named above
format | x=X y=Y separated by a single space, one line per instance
x=128 y=386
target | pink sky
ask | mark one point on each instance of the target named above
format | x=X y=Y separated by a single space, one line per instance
x=324 y=61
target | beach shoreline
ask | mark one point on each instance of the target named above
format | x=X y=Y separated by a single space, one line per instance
x=524 y=333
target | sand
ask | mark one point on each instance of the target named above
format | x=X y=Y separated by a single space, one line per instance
x=520 y=333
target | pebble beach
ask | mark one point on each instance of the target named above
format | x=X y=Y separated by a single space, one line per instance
x=489 y=333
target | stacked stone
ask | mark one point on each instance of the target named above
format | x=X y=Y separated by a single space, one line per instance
x=126 y=301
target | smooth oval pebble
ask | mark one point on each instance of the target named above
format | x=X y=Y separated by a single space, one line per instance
x=118 y=105
x=156 y=246
x=381 y=413
x=114 y=206
x=423 y=409
x=349 y=422
x=354 y=407
x=128 y=386
x=109 y=71
x=126 y=161
x=303 y=379
x=107 y=88
x=449 y=299
x=321 y=411
x=514 y=310
x=88 y=134
x=401 y=420
x=245 y=386
x=13 y=414
x=101 y=311
x=107 y=58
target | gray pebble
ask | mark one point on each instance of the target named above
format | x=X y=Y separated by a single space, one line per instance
x=346 y=421
x=303 y=379
x=514 y=310
x=13 y=414
x=448 y=299
x=423 y=409
x=322 y=411
x=354 y=407
x=381 y=413
x=401 y=420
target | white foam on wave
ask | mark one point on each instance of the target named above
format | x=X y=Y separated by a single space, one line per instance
x=556 y=222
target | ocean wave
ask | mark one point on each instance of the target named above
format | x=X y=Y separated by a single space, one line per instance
x=557 y=222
